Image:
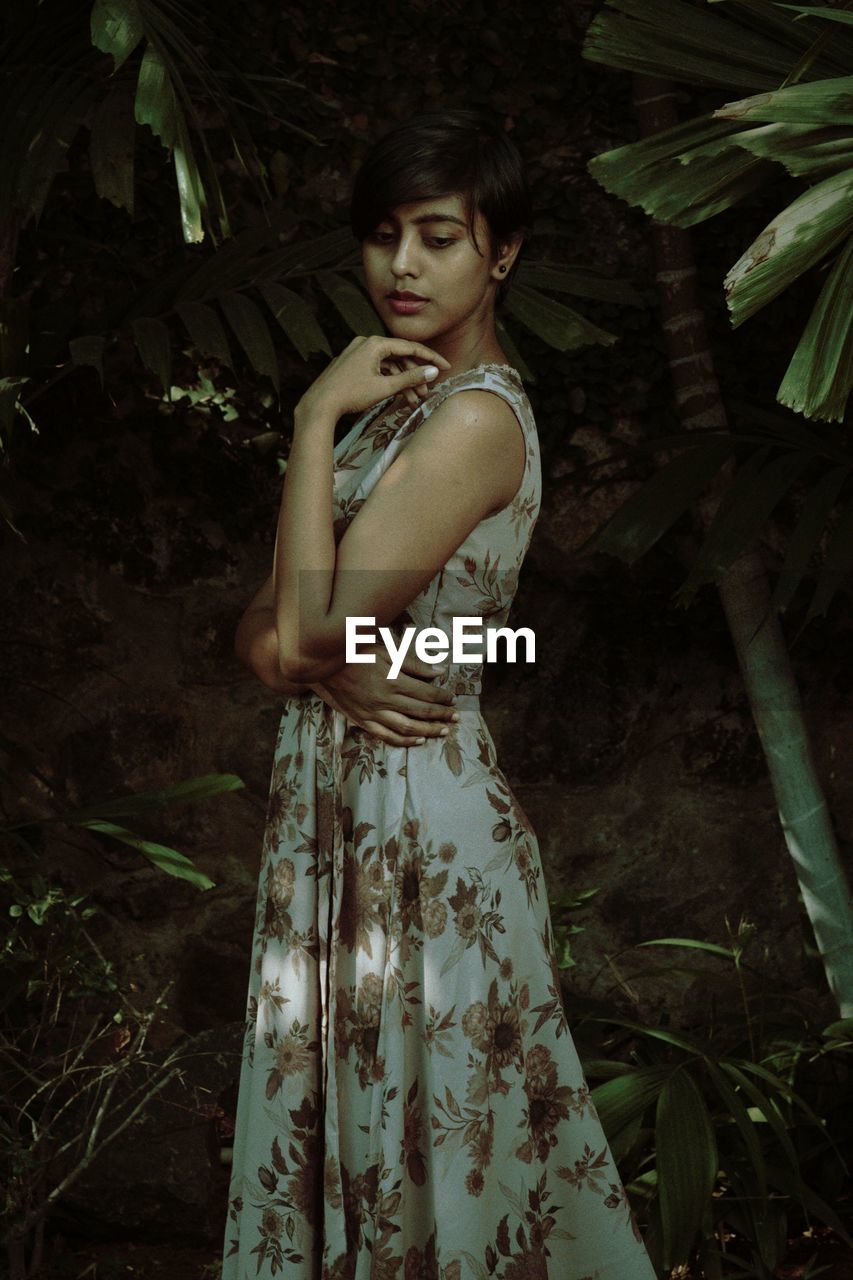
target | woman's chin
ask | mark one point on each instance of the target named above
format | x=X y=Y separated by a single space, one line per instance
x=414 y=327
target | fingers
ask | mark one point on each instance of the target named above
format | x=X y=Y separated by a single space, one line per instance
x=420 y=709
x=419 y=376
x=413 y=688
x=406 y=732
x=411 y=394
x=419 y=670
x=404 y=347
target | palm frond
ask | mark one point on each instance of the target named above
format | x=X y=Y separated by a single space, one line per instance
x=654 y=507
x=784 y=451
x=819 y=379
x=673 y=38
x=685 y=174
x=797 y=238
x=758 y=486
x=53 y=80
x=688 y=173
x=205 y=291
x=558 y=325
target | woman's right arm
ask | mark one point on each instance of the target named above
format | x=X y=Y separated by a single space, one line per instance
x=400 y=711
x=256 y=645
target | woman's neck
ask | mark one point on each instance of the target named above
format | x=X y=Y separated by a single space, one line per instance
x=471 y=345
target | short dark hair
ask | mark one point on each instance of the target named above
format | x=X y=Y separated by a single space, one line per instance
x=439 y=153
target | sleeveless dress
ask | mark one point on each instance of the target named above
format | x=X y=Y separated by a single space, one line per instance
x=411 y=1105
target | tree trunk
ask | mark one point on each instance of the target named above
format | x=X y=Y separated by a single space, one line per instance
x=745 y=595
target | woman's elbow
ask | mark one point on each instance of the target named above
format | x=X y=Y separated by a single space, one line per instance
x=294 y=669
x=306 y=669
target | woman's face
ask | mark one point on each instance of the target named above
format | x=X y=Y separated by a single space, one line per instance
x=423 y=248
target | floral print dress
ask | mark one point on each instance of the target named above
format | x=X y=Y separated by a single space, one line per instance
x=411 y=1104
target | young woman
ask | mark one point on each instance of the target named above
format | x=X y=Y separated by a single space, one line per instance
x=411 y=1103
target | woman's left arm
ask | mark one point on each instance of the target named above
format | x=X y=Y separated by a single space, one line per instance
x=462 y=462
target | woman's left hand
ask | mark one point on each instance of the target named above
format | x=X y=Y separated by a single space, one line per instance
x=355 y=380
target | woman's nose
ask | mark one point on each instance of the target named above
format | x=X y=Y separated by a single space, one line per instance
x=405 y=258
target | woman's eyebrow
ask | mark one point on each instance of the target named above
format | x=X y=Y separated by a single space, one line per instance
x=431 y=217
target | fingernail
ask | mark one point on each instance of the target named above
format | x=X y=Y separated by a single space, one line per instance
x=418 y=741
x=455 y=715
x=444 y=731
x=430 y=371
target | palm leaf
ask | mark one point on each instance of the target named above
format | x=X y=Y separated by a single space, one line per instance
x=684 y=174
x=819 y=378
x=741 y=1117
x=686 y=1162
x=818 y=11
x=51 y=80
x=757 y=488
x=116 y=27
x=672 y=38
x=253 y=333
x=583 y=282
x=823 y=102
x=161 y=855
x=797 y=238
x=153 y=344
x=305 y=256
x=621 y=1100
x=783 y=428
x=767 y=1107
x=296 y=318
x=807 y=533
x=156 y=105
x=836 y=566
x=89 y=350
x=806 y=150
x=206 y=331
x=653 y=508
x=554 y=323
x=352 y=305
x=112 y=148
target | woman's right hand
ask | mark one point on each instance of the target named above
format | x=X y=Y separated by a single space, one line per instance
x=400 y=711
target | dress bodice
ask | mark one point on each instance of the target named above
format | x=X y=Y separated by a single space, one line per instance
x=481 y=576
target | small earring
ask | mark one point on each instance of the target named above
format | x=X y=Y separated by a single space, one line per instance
x=503 y=266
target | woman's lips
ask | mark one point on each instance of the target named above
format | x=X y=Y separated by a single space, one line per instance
x=407 y=306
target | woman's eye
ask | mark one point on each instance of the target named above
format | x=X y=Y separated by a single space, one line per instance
x=441 y=242
x=382 y=237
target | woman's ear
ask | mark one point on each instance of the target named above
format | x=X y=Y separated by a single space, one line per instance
x=508 y=251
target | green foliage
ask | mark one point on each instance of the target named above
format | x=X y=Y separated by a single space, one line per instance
x=564 y=928
x=72 y=1029
x=96 y=817
x=76 y=1067
x=779 y=456
x=691 y=172
x=729 y=1125
x=160 y=77
x=53 y=82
